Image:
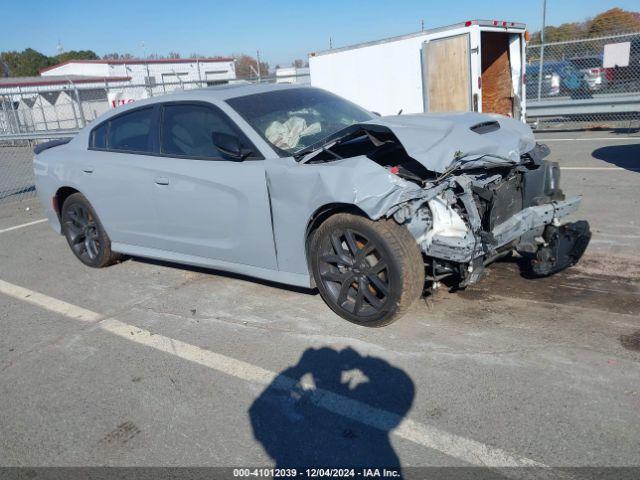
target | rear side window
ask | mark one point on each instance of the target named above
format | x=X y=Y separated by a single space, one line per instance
x=131 y=131
x=99 y=136
x=187 y=129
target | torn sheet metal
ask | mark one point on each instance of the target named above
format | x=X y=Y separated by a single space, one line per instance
x=355 y=181
x=435 y=140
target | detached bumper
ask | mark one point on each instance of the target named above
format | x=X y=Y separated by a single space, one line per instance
x=532 y=218
x=462 y=246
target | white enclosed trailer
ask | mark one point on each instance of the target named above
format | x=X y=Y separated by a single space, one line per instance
x=477 y=65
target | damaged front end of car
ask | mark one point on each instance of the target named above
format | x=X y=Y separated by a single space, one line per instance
x=470 y=188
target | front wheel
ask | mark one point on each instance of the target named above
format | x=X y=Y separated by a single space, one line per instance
x=85 y=234
x=367 y=272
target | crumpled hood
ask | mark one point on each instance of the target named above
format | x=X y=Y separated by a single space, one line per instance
x=435 y=139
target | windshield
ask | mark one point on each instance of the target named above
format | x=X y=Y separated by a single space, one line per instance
x=293 y=119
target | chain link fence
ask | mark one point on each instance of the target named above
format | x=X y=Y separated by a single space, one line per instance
x=16 y=170
x=585 y=83
x=72 y=106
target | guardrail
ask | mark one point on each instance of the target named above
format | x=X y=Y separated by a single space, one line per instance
x=597 y=105
x=42 y=135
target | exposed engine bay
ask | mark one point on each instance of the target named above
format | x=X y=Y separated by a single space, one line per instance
x=472 y=201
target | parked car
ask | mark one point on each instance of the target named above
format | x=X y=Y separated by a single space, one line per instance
x=559 y=79
x=299 y=186
x=596 y=76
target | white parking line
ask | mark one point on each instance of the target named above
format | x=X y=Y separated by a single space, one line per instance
x=23 y=225
x=599 y=168
x=466 y=449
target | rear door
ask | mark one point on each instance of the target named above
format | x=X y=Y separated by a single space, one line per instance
x=210 y=205
x=116 y=175
x=447 y=74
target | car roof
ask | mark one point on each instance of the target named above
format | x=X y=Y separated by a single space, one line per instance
x=215 y=94
x=233 y=90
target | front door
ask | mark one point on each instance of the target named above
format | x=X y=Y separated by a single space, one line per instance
x=210 y=205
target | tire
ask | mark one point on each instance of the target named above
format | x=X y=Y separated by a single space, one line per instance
x=85 y=234
x=367 y=272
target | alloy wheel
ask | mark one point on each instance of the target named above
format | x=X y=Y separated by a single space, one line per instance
x=354 y=272
x=82 y=232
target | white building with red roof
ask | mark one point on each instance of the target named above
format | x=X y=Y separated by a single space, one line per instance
x=213 y=71
x=72 y=93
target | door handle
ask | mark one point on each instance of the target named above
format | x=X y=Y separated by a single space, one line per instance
x=161 y=181
x=87 y=169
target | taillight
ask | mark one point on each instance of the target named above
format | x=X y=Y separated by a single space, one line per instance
x=609 y=74
x=524 y=78
x=596 y=71
x=54 y=204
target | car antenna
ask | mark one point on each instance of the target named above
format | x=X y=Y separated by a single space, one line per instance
x=400 y=111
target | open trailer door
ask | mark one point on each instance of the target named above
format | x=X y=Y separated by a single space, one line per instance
x=446 y=74
x=502 y=65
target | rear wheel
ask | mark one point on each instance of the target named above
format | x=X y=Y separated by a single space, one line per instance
x=367 y=272
x=85 y=234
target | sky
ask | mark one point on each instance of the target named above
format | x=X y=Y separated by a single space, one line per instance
x=282 y=30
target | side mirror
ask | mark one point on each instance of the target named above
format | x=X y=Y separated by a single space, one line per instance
x=230 y=145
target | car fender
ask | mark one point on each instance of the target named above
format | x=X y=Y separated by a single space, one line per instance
x=299 y=192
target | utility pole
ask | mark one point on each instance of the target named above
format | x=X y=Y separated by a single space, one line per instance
x=258 y=62
x=544 y=20
x=330 y=43
x=422 y=25
x=146 y=66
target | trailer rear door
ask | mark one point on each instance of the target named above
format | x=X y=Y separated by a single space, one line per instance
x=497 y=80
x=447 y=74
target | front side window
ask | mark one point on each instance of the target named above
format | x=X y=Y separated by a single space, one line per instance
x=187 y=130
x=131 y=131
x=293 y=119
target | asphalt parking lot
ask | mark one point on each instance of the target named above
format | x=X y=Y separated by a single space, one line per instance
x=146 y=363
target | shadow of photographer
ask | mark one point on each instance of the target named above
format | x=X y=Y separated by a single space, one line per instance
x=334 y=408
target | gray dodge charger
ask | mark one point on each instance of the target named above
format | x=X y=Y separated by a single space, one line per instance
x=299 y=186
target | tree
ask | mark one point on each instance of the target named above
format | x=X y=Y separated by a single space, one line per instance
x=246 y=67
x=174 y=55
x=24 y=64
x=566 y=31
x=74 y=55
x=612 y=21
x=297 y=63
